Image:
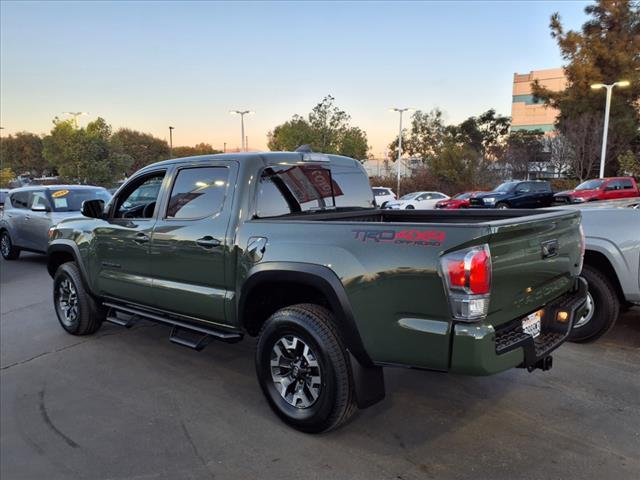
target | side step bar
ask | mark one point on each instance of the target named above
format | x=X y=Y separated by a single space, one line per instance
x=199 y=335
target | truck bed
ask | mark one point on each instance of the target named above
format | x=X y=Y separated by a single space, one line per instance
x=464 y=216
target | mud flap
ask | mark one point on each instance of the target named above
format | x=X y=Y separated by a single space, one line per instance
x=368 y=383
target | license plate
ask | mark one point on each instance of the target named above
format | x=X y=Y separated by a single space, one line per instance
x=531 y=324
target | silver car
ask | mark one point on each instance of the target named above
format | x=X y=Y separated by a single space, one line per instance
x=611 y=264
x=29 y=212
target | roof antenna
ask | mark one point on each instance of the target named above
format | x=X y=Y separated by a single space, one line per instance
x=306 y=148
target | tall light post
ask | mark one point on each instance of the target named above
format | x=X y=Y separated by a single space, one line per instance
x=75 y=116
x=400 y=111
x=242 y=113
x=598 y=86
x=171 y=141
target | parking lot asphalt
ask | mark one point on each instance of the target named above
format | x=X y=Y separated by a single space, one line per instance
x=129 y=404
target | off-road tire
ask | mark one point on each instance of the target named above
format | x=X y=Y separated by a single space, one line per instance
x=313 y=325
x=606 y=306
x=8 y=250
x=90 y=314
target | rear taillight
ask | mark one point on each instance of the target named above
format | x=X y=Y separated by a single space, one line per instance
x=467 y=275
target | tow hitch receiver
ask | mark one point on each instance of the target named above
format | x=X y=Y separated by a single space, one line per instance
x=543 y=364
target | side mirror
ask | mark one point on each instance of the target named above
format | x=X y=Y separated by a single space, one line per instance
x=40 y=208
x=93 y=208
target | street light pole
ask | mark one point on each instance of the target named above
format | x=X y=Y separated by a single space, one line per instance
x=75 y=116
x=171 y=141
x=607 y=110
x=400 y=111
x=242 y=113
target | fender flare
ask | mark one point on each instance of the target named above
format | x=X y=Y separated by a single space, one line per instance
x=69 y=247
x=368 y=378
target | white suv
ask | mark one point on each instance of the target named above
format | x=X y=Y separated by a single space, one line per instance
x=383 y=195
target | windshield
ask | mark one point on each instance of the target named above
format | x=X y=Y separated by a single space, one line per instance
x=380 y=191
x=70 y=200
x=590 y=185
x=505 y=187
x=463 y=196
x=409 y=196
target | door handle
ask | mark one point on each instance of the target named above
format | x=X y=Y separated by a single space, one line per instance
x=27 y=217
x=208 y=242
x=141 y=238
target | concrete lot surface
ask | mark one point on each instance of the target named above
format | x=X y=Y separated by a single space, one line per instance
x=127 y=404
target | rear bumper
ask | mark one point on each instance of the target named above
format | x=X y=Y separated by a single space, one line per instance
x=480 y=349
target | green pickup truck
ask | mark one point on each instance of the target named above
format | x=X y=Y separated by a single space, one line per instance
x=289 y=247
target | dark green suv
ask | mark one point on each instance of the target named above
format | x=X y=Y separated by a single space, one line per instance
x=290 y=248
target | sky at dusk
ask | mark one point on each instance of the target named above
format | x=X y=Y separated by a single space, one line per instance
x=148 y=65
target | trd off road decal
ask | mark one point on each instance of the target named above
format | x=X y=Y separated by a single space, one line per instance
x=426 y=238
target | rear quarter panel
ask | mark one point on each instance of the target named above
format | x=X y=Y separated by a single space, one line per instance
x=395 y=289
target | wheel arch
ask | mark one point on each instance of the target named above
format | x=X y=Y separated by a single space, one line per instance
x=62 y=251
x=306 y=280
x=310 y=283
x=600 y=261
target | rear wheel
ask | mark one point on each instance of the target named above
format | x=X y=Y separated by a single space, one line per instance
x=502 y=205
x=8 y=250
x=303 y=369
x=77 y=311
x=603 y=308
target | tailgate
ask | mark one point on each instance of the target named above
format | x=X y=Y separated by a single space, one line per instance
x=534 y=260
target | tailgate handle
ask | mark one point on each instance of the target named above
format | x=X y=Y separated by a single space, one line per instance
x=549 y=248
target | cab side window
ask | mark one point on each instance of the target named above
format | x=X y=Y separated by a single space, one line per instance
x=626 y=184
x=138 y=200
x=198 y=192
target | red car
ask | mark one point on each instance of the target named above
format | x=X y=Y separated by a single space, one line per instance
x=460 y=200
x=600 y=189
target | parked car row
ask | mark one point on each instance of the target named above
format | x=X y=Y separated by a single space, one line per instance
x=513 y=194
x=29 y=212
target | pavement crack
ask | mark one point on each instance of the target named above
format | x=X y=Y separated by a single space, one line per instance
x=43 y=354
x=195 y=449
x=24 y=307
x=49 y=423
x=66 y=347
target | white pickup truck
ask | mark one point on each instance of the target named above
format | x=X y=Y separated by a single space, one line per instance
x=611 y=264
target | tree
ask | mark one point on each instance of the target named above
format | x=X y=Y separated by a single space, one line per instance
x=523 y=147
x=561 y=153
x=199 y=149
x=486 y=134
x=629 y=164
x=584 y=135
x=605 y=50
x=458 y=166
x=327 y=129
x=6 y=175
x=22 y=152
x=143 y=148
x=425 y=138
x=85 y=154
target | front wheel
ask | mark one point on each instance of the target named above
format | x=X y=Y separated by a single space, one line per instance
x=603 y=308
x=77 y=312
x=303 y=369
x=502 y=205
x=410 y=207
x=7 y=249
